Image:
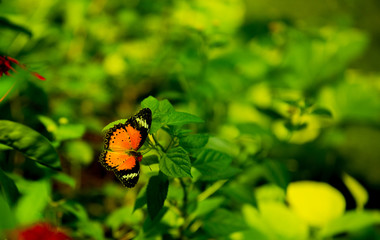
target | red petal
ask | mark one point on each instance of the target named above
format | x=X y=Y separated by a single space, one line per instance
x=13 y=60
x=39 y=76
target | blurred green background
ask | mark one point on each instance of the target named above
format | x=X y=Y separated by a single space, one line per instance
x=289 y=90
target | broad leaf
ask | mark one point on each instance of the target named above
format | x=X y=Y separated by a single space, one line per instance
x=7 y=218
x=5 y=23
x=49 y=124
x=32 y=144
x=141 y=199
x=317 y=203
x=350 y=222
x=214 y=165
x=277 y=173
x=8 y=188
x=31 y=205
x=91 y=229
x=283 y=222
x=176 y=163
x=252 y=129
x=239 y=192
x=79 y=152
x=222 y=223
x=149 y=160
x=208 y=205
x=123 y=216
x=69 y=131
x=76 y=209
x=155 y=227
x=150 y=102
x=181 y=118
x=165 y=108
x=64 y=178
x=193 y=141
x=156 y=193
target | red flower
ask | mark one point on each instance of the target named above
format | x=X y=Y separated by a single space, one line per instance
x=42 y=231
x=6 y=66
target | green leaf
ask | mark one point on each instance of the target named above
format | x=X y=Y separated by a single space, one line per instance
x=225 y=174
x=239 y=192
x=110 y=125
x=5 y=147
x=5 y=23
x=222 y=223
x=49 y=124
x=282 y=221
x=79 y=152
x=149 y=160
x=254 y=234
x=193 y=141
x=7 y=218
x=8 y=188
x=252 y=129
x=31 y=205
x=208 y=205
x=160 y=116
x=317 y=203
x=154 y=227
x=210 y=161
x=69 y=131
x=181 y=118
x=91 y=229
x=322 y=112
x=122 y=216
x=165 y=108
x=359 y=193
x=150 y=102
x=156 y=193
x=277 y=173
x=29 y=142
x=141 y=199
x=76 y=209
x=350 y=222
x=269 y=193
x=176 y=163
x=64 y=178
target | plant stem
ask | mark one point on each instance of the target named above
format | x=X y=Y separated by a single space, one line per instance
x=185 y=198
x=156 y=143
x=211 y=190
x=184 y=208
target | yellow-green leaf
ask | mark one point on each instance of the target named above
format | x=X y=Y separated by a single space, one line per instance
x=357 y=190
x=315 y=202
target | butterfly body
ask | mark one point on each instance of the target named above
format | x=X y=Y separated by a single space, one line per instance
x=121 y=143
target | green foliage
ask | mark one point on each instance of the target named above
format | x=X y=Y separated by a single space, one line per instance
x=265 y=118
x=176 y=163
x=8 y=188
x=223 y=222
x=32 y=144
x=157 y=190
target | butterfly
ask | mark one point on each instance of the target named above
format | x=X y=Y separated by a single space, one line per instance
x=121 y=143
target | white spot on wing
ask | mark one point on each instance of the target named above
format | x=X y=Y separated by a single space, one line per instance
x=130 y=176
x=142 y=122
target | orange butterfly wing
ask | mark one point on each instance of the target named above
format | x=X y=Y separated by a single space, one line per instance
x=121 y=143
